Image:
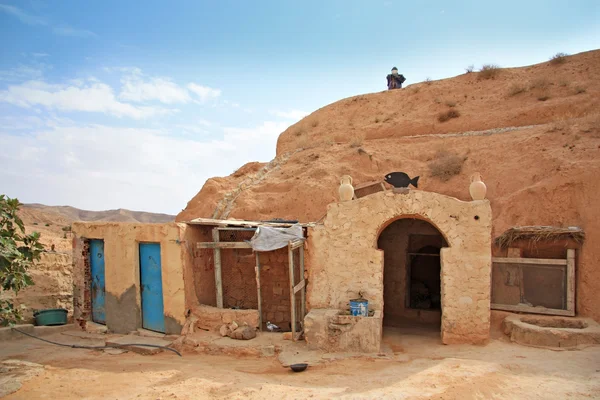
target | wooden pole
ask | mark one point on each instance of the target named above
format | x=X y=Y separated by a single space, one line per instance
x=292 y=294
x=218 y=280
x=257 y=269
x=571 y=281
x=303 y=292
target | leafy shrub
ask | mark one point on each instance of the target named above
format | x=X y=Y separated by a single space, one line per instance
x=18 y=252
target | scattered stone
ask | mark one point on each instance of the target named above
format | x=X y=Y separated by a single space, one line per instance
x=224 y=330
x=93 y=327
x=114 y=352
x=243 y=333
x=287 y=335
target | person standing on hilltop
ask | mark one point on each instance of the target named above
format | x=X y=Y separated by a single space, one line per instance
x=395 y=80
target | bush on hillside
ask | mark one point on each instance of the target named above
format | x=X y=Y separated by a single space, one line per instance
x=446 y=165
x=558 y=58
x=448 y=115
x=489 y=71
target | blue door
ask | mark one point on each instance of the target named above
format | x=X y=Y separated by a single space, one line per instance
x=98 y=285
x=151 y=287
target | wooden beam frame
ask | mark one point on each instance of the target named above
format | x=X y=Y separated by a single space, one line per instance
x=218 y=278
x=571 y=280
x=538 y=261
x=569 y=262
x=292 y=293
x=223 y=245
x=257 y=269
x=532 y=310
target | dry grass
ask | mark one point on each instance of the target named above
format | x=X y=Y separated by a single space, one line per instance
x=450 y=103
x=416 y=89
x=543 y=97
x=516 y=88
x=428 y=81
x=470 y=69
x=299 y=130
x=579 y=90
x=489 y=71
x=539 y=83
x=357 y=139
x=536 y=234
x=314 y=123
x=448 y=115
x=558 y=58
x=445 y=165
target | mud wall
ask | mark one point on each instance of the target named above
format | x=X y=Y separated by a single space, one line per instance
x=343 y=258
x=238 y=277
x=122 y=272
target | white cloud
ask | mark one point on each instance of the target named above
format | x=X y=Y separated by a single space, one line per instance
x=102 y=167
x=136 y=89
x=40 y=55
x=295 y=115
x=23 y=72
x=63 y=30
x=204 y=92
x=23 y=16
x=90 y=97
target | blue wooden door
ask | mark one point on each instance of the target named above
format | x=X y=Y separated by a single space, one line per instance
x=98 y=282
x=151 y=287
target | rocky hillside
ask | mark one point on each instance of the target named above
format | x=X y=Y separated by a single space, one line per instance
x=51 y=221
x=532 y=132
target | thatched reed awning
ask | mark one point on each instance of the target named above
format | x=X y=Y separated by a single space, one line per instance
x=540 y=233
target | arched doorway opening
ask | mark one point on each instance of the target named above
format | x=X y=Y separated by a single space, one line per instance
x=412 y=274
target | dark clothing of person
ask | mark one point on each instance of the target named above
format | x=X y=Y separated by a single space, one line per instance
x=395 y=81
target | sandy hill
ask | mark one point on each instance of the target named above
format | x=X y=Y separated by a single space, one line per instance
x=532 y=132
x=50 y=220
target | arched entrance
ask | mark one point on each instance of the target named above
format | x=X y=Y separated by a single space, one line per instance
x=411 y=274
x=349 y=254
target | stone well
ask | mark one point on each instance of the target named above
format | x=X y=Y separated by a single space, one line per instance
x=343 y=259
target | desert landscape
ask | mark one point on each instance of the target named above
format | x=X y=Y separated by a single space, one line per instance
x=534 y=135
x=430 y=235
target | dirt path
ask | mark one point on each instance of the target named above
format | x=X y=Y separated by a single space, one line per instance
x=419 y=368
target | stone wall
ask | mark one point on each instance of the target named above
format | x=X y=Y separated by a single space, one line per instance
x=122 y=272
x=343 y=258
x=329 y=331
x=53 y=286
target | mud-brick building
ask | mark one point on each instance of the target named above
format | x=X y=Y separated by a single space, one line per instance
x=421 y=259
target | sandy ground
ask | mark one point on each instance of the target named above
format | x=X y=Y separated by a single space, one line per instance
x=417 y=366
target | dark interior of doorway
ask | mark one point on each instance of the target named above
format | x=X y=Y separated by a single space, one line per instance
x=412 y=281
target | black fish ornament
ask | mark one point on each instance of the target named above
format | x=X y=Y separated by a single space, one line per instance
x=400 y=179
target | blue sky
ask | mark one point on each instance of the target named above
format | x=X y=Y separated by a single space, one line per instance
x=135 y=104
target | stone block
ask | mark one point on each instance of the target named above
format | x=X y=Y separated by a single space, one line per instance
x=212 y=318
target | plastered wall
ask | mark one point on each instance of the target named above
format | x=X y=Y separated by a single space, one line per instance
x=122 y=272
x=343 y=257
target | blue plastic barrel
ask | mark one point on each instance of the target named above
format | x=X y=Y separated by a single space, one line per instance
x=359 y=308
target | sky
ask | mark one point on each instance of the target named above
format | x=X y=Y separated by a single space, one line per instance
x=135 y=104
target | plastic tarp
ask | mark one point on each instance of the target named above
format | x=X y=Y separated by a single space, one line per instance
x=267 y=238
